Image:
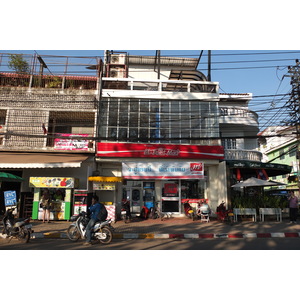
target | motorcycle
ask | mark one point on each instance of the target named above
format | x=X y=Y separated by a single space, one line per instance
x=102 y=231
x=189 y=211
x=125 y=211
x=225 y=215
x=20 y=228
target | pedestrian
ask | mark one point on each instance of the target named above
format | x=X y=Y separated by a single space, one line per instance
x=293 y=205
x=46 y=205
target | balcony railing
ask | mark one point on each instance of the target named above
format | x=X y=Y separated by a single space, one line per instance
x=234 y=154
x=234 y=112
x=90 y=82
x=160 y=85
x=48 y=81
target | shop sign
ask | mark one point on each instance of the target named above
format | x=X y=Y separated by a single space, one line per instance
x=52 y=182
x=159 y=151
x=71 y=143
x=100 y=186
x=10 y=198
x=163 y=170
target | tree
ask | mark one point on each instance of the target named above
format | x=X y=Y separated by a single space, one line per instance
x=18 y=64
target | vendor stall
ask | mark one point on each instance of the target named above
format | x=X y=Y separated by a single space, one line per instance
x=105 y=188
x=60 y=189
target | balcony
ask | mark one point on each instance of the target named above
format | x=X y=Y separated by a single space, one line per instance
x=236 y=154
x=235 y=115
x=175 y=89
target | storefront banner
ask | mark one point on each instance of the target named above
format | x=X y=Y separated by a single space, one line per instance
x=71 y=143
x=163 y=170
x=52 y=182
x=159 y=151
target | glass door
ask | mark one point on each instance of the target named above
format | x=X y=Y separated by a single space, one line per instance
x=170 y=196
x=135 y=196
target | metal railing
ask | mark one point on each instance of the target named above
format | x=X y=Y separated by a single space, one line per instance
x=160 y=85
x=234 y=154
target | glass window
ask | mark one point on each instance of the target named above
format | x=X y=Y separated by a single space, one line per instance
x=192 y=189
x=159 y=121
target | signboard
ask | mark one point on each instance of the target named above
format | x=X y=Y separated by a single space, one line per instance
x=71 y=143
x=10 y=198
x=159 y=151
x=52 y=182
x=101 y=186
x=163 y=170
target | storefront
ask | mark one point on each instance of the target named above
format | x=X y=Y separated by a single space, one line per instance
x=60 y=189
x=166 y=175
x=65 y=172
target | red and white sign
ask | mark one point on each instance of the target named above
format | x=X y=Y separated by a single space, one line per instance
x=71 y=143
x=159 y=151
x=162 y=170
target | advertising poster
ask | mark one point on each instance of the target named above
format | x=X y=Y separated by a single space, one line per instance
x=71 y=143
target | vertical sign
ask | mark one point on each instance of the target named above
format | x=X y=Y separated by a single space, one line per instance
x=10 y=198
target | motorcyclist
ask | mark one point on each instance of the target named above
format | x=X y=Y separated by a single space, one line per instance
x=94 y=210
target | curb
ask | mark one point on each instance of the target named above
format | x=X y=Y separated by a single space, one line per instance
x=55 y=235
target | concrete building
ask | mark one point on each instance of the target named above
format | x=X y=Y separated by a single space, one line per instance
x=153 y=130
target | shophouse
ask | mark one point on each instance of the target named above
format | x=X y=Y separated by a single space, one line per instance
x=48 y=126
x=171 y=136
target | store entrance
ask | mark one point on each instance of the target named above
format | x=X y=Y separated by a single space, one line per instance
x=134 y=195
x=170 y=196
x=139 y=194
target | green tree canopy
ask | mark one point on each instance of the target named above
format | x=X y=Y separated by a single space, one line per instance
x=18 y=64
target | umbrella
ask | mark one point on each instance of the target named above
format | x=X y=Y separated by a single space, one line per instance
x=10 y=177
x=256 y=182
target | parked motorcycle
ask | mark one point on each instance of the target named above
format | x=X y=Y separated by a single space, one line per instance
x=188 y=210
x=125 y=211
x=102 y=231
x=20 y=228
x=225 y=215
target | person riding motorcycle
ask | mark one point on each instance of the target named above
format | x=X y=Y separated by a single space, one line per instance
x=94 y=209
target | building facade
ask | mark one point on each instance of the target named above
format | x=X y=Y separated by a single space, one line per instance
x=152 y=130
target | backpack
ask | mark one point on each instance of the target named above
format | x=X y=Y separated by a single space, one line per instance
x=102 y=215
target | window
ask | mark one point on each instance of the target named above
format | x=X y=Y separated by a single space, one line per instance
x=281 y=154
x=229 y=143
x=159 y=121
x=292 y=151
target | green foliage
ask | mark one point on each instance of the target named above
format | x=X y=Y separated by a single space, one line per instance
x=55 y=82
x=18 y=64
x=257 y=202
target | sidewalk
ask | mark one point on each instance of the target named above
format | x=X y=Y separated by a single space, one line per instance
x=179 y=228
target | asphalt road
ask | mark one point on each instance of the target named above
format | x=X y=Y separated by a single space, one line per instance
x=158 y=244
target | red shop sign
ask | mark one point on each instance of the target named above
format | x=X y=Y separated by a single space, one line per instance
x=159 y=151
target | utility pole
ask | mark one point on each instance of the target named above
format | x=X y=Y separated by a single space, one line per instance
x=209 y=66
x=294 y=105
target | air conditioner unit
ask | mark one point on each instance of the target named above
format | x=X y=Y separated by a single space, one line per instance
x=117 y=59
x=117 y=72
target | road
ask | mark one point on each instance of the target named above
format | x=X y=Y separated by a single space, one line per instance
x=158 y=244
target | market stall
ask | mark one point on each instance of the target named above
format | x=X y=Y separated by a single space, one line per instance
x=60 y=189
x=105 y=188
